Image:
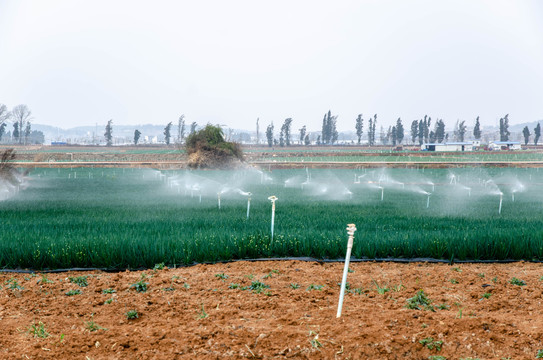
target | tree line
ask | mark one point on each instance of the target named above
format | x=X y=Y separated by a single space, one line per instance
x=22 y=132
x=421 y=131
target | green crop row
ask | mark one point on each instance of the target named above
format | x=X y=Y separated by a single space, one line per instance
x=116 y=218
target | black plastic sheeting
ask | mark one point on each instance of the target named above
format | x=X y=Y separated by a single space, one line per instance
x=308 y=259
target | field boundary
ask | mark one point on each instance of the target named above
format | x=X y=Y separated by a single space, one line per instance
x=284 y=164
x=303 y=258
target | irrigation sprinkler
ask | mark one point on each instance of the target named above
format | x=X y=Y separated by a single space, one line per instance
x=513 y=196
x=428 y=200
x=351 y=228
x=248 y=205
x=200 y=196
x=273 y=199
x=382 y=193
x=219 y=199
x=500 y=207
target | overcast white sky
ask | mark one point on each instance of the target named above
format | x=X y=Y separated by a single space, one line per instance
x=78 y=62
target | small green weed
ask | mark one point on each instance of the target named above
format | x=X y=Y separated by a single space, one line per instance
x=431 y=344
x=314 y=287
x=159 y=266
x=108 y=301
x=92 y=326
x=539 y=354
x=13 y=284
x=186 y=285
x=436 y=357
x=420 y=302
x=481 y=275
x=79 y=280
x=257 y=287
x=109 y=291
x=233 y=286
x=518 y=282
x=45 y=280
x=294 y=286
x=381 y=289
x=221 y=276
x=457 y=269
x=453 y=281
x=202 y=314
x=487 y=295
x=141 y=286
x=73 y=292
x=38 y=330
x=443 y=306
x=132 y=314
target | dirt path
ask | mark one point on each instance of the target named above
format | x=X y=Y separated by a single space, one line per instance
x=210 y=312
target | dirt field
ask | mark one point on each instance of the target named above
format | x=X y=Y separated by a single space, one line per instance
x=223 y=311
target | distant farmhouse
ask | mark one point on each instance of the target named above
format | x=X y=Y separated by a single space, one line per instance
x=470 y=146
x=451 y=146
x=504 y=145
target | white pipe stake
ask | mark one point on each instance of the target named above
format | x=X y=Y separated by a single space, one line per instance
x=351 y=228
x=219 y=199
x=248 y=206
x=500 y=208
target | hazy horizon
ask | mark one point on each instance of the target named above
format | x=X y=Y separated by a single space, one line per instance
x=79 y=63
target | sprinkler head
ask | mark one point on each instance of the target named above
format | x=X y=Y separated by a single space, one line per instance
x=273 y=198
x=351 y=228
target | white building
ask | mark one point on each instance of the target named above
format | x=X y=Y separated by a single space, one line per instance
x=504 y=145
x=450 y=147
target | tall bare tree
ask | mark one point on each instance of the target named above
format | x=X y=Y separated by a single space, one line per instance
x=22 y=115
x=4 y=114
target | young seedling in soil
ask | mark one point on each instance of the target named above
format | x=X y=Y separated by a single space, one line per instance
x=132 y=314
x=221 y=276
x=257 y=287
x=486 y=295
x=314 y=287
x=431 y=344
x=73 y=292
x=420 y=302
x=13 y=284
x=159 y=266
x=436 y=357
x=315 y=341
x=44 y=280
x=109 y=291
x=539 y=354
x=381 y=289
x=202 y=314
x=518 y=282
x=233 y=286
x=92 y=326
x=79 y=280
x=140 y=286
x=38 y=330
x=295 y=286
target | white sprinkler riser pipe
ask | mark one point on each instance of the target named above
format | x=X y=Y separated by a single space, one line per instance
x=350 y=230
x=273 y=218
x=273 y=199
x=248 y=207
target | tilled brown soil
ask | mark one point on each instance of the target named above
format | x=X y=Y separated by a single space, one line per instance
x=211 y=312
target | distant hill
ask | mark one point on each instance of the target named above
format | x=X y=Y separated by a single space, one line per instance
x=519 y=127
